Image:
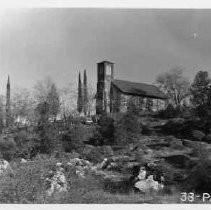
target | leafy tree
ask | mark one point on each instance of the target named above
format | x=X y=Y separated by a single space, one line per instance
x=174 y=84
x=68 y=100
x=42 y=111
x=46 y=92
x=46 y=131
x=85 y=94
x=42 y=89
x=22 y=103
x=200 y=89
x=53 y=101
x=80 y=96
x=91 y=99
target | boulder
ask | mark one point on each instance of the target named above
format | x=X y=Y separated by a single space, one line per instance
x=149 y=184
x=23 y=160
x=5 y=167
x=57 y=181
x=197 y=135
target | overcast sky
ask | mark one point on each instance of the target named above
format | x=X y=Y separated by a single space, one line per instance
x=35 y=43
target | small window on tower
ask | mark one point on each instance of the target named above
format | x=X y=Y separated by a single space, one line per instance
x=108 y=70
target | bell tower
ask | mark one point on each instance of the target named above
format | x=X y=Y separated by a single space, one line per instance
x=105 y=74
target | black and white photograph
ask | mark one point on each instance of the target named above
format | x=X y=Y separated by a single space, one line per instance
x=105 y=105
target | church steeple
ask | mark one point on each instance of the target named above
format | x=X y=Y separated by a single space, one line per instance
x=8 y=110
x=105 y=74
x=8 y=81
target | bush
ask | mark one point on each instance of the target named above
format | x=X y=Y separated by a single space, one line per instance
x=199 y=179
x=92 y=154
x=170 y=112
x=104 y=133
x=7 y=147
x=127 y=129
x=27 y=183
x=49 y=137
x=28 y=144
x=73 y=138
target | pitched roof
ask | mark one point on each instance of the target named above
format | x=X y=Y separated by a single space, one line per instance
x=139 y=89
x=106 y=62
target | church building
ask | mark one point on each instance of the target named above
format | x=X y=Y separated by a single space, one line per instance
x=114 y=95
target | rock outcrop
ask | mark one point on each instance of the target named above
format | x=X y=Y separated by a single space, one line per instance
x=147 y=184
x=5 y=167
x=57 y=180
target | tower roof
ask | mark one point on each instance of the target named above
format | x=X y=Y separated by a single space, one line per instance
x=106 y=62
x=8 y=80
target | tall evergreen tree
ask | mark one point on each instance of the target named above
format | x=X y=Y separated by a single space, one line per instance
x=8 y=108
x=80 y=96
x=85 y=94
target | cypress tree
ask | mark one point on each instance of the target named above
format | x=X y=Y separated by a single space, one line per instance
x=85 y=99
x=80 y=96
x=8 y=110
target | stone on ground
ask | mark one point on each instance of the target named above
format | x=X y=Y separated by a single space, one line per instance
x=5 y=167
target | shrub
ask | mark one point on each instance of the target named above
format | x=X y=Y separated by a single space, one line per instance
x=127 y=129
x=7 y=147
x=27 y=183
x=199 y=179
x=104 y=133
x=73 y=138
x=170 y=112
x=27 y=144
x=92 y=154
x=49 y=137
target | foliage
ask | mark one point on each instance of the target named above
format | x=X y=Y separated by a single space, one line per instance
x=199 y=177
x=170 y=112
x=128 y=128
x=27 y=183
x=27 y=186
x=104 y=133
x=201 y=96
x=68 y=100
x=174 y=84
x=73 y=137
x=133 y=108
x=7 y=147
x=200 y=89
x=27 y=144
x=92 y=153
x=49 y=138
x=22 y=103
x=85 y=94
x=1 y=114
x=80 y=95
x=53 y=101
x=42 y=112
x=42 y=89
